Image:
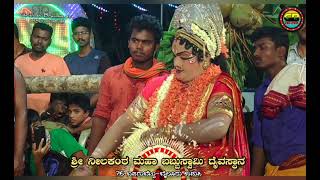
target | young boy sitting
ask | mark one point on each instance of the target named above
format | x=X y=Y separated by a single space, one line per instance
x=79 y=112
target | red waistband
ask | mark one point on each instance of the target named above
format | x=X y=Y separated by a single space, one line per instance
x=293 y=162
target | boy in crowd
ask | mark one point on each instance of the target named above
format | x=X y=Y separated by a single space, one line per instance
x=79 y=117
x=56 y=115
x=49 y=153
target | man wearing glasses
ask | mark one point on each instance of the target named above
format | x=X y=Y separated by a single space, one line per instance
x=87 y=60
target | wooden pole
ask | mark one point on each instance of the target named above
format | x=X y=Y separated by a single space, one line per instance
x=67 y=84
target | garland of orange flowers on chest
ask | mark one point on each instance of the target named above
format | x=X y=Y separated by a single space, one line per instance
x=176 y=101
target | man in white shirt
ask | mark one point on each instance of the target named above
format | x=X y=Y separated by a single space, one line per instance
x=297 y=51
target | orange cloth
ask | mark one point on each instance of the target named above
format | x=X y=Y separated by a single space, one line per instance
x=117 y=91
x=48 y=65
x=294 y=166
x=133 y=72
x=271 y=170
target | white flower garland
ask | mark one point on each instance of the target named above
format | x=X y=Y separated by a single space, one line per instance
x=212 y=40
x=162 y=93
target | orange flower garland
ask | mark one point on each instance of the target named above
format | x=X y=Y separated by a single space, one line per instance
x=182 y=99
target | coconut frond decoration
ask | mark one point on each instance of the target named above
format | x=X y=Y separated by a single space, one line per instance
x=225 y=9
x=240 y=54
x=243 y=20
x=241 y=16
x=229 y=35
x=258 y=6
x=257 y=22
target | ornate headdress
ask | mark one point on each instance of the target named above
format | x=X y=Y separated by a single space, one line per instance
x=202 y=25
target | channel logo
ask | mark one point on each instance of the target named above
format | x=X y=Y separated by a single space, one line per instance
x=291 y=19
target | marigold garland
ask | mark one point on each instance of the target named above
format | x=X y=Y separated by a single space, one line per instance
x=181 y=98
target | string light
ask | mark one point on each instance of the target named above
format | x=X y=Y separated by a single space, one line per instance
x=139 y=7
x=174 y=6
x=73 y=10
x=115 y=20
x=100 y=8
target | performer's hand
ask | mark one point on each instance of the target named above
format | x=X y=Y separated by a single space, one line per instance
x=82 y=171
x=152 y=133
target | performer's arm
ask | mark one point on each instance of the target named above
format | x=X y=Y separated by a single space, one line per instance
x=114 y=136
x=20 y=130
x=215 y=127
x=97 y=131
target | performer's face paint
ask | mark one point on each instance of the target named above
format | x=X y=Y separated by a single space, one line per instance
x=186 y=64
x=142 y=45
x=266 y=54
x=81 y=35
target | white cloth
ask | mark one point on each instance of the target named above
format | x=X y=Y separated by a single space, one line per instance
x=84 y=135
x=291 y=75
x=293 y=55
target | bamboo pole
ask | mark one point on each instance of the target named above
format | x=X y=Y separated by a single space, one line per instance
x=67 y=84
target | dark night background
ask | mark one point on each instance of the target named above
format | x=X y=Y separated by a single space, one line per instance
x=110 y=29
